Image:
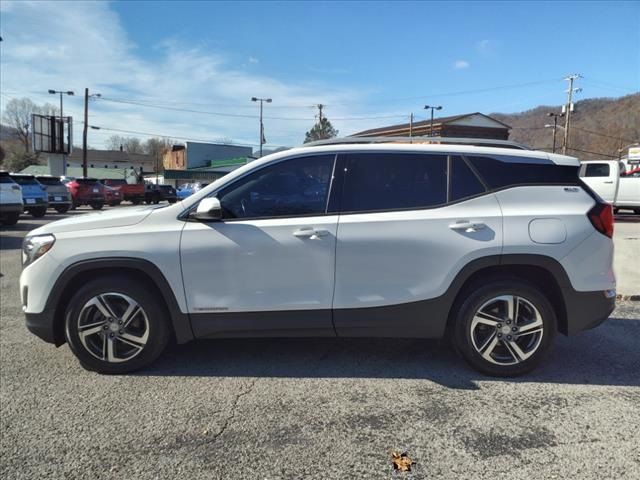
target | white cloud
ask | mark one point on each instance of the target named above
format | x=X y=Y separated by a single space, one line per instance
x=83 y=44
x=461 y=64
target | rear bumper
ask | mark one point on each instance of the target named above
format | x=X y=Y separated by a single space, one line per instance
x=11 y=207
x=586 y=310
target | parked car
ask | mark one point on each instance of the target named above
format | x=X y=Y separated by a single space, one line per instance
x=57 y=192
x=607 y=179
x=11 y=204
x=189 y=189
x=484 y=245
x=112 y=196
x=130 y=192
x=87 y=191
x=34 y=195
x=158 y=193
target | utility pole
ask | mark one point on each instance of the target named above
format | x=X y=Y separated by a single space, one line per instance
x=261 y=100
x=320 y=107
x=410 y=126
x=84 y=133
x=567 y=122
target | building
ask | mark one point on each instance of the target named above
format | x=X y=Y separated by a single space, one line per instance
x=107 y=159
x=206 y=174
x=197 y=155
x=468 y=125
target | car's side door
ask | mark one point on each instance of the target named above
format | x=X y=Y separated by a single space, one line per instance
x=629 y=191
x=267 y=268
x=404 y=233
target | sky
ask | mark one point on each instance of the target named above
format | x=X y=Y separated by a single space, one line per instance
x=187 y=70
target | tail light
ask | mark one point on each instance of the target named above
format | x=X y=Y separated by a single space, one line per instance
x=601 y=217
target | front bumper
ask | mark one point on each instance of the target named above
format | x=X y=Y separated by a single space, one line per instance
x=586 y=310
x=42 y=325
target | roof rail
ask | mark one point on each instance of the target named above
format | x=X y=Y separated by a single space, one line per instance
x=483 y=142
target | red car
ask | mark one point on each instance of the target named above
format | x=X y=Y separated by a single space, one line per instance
x=131 y=192
x=87 y=191
x=112 y=196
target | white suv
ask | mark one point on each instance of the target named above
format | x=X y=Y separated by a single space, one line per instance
x=11 y=203
x=497 y=248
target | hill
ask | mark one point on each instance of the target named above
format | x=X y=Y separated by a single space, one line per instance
x=599 y=126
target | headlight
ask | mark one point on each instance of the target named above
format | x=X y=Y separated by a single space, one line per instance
x=36 y=246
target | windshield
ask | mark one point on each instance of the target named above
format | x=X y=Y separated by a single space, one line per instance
x=49 y=180
x=25 y=180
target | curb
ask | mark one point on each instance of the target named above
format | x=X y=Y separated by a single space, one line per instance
x=631 y=298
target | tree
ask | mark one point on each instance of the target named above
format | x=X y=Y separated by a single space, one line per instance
x=128 y=144
x=156 y=146
x=17 y=114
x=321 y=131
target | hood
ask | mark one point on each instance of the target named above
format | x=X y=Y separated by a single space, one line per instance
x=120 y=217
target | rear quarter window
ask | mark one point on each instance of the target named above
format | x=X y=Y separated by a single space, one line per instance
x=501 y=172
x=463 y=182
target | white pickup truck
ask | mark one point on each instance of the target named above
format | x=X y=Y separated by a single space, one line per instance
x=614 y=184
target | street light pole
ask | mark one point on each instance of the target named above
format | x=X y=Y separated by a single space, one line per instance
x=64 y=156
x=555 y=126
x=85 y=128
x=261 y=100
x=432 y=108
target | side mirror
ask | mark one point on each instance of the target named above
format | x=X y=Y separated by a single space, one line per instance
x=208 y=210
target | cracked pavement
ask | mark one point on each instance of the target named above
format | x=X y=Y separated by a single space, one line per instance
x=315 y=408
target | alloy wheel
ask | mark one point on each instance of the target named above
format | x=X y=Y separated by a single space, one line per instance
x=507 y=330
x=113 y=327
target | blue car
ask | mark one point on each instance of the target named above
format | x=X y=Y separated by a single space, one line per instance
x=187 y=189
x=34 y=194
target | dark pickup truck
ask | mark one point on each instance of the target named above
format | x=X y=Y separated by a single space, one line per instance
x=130 y=192
x=158 y=193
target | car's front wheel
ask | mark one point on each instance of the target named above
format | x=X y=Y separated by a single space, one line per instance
x=115 y=325
x=504 y=328
x=38 y=212
x=97 y=205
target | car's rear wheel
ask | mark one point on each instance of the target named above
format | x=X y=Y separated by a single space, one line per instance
x=136 y=201
x=116 y=325
x=62 y=209
x=97 y=205
x=504 y=328
x=38 y=212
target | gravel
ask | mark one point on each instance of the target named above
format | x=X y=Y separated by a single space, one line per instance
x=315 y=408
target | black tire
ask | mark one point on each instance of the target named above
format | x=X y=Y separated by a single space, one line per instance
x=62 y=209
x=97 y=205
x=156 y=199
x=172 y=200
x=156 y=317
x=38 y=212
x=136 y=201
x=470 y=302
x=11 y=218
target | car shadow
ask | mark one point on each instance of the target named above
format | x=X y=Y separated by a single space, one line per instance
x=607 y=355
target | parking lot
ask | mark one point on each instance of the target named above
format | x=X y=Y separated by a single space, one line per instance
x=316 y=408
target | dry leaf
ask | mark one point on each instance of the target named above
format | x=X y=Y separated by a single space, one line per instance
x=401 y=461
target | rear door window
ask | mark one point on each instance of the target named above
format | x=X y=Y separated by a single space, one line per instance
x=463 y=182
x=393 y=181
x=597 y=170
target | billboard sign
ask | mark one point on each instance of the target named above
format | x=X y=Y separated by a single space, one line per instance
x=633 y=156
x=51 y=134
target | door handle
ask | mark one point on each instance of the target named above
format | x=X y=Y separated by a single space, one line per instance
x=467 y=226
x=609 y=182
x=311 y=233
